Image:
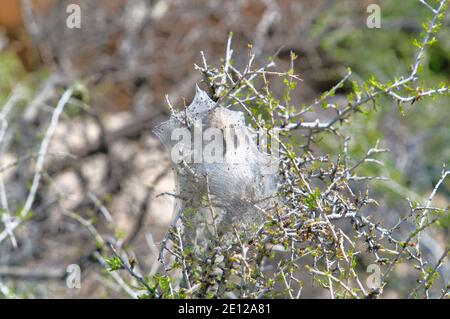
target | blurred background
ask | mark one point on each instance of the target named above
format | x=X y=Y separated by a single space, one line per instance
x=126 y=57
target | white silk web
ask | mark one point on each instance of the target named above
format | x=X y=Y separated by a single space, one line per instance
x=214 y=195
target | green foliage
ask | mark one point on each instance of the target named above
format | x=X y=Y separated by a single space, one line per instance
x=114 y=263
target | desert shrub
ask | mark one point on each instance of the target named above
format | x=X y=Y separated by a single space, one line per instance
x=236 y=235
x=319 y=222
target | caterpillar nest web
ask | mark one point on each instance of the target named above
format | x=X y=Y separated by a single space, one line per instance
x=216 y=194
